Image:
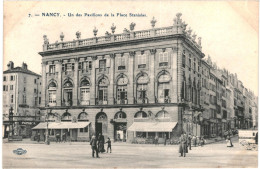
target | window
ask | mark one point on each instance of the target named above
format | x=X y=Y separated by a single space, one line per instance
x=140 y=115
x=12 y=78
x=162 y=115
x=141 y=61
x=6 y=88
x=11 y=87
x=24 y=99
x=66 y=67
x=142 y=83
x=85 y=96
x=35 y=81
x=35 y=91
x=102 y=64
x=164 y=89
x=52 y=96
x=121 y=63
x=163 y=59
x=183 y=59
x=12 y=98
x=24 y=89
x=35 y=101
x=84 y=130
x=39 y=100
x=189 y=63
x=87 y=66
x=3 y=87
x=5 y=78
x=122 y=90
x=24 y=79
x=102 y=91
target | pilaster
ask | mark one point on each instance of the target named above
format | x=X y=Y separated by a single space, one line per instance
x=75 y=89
x=58 y=65
x=130 y=88
x=111 y=80
x=93 y=81
x=151 y=75
x=43 y=95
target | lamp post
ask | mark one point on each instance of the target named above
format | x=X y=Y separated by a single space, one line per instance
x=47 y=142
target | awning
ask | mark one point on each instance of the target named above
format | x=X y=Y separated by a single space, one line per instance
x=62 y=125
x=152 y=126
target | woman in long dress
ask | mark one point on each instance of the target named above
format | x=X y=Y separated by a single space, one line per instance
x=229 y=142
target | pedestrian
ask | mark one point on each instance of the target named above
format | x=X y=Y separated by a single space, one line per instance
x=165 y=139
x=194 y=139
x=189 y=140
x=64 y=137
x=229 y=142
x=202 y=141
x=109 y=144
x=101 y=142
x=198 y=140
x=256 y=138
x=38 y=137
x=93 y=143
x=156 y=140
x=58 y=137
x=182 y=146
x=44 y=137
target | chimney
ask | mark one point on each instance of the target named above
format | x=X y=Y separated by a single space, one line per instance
x=10 y=65
x=24 y=66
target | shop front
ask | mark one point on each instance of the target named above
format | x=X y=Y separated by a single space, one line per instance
x=147 y=131
x=71 y=131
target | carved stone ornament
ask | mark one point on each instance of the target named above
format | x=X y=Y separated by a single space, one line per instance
x=189 y=31
x=132 y=26
x=132 y=53
x=194 y=37
x=94 y=57
x=126 y=31
x=199 y=41
x=107 y=33
x=152 y=51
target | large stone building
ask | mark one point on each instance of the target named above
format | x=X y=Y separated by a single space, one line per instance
x=21 y=96
x=137 y=84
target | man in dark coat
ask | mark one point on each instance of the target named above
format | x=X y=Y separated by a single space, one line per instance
x=93 y=143
x=101 y=142
x=183 y=145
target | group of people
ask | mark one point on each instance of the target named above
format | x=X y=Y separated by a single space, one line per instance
x=97 y=145
x=186 y=141
x=64 y=137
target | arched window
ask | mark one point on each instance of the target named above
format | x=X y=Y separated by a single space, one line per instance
x=140 y=115
x=67 y=92
x=164 y=88
x=120 y=115
x=122 y=90
x=52 y=90
x=162 y=115
x=66 y=116
x=142 y=83
x=83 y=116
x=84 y=92
x=102 y=91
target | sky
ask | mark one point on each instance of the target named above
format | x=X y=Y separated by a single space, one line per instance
x=229 y=29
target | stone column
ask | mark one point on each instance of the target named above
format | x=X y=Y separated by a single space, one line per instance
x=44 y=84
x=130 y=68
x=93 y=81
x=110 y=98
x=151 y=75
x=75 y=88
x=58 y=65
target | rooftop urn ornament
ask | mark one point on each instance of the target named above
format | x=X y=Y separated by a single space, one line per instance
x=126 y=31
x=199 y=41
x=95 y=30
x=184 y=25
x=153 y=21
x=78 y=34
x=107 y=33
x=113 y=28
x=132 y=26
x=61 y=36
x=178 y=19
x=46 y=40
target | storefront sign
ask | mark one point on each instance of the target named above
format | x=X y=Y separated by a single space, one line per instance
x=28 y=123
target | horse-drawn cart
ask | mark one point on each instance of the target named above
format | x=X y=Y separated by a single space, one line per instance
x=248 y=139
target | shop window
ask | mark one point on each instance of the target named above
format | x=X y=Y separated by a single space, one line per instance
x=141 y=134
x=83 y=130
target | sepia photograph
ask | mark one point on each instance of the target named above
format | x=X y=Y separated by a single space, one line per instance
x=130 y=84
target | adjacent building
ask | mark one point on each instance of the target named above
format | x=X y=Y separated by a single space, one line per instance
x=21 y=98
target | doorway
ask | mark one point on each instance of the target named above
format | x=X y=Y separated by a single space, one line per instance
x=120 y=132
x=101 y=124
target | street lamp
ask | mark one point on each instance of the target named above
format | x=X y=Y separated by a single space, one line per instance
x=47 y=142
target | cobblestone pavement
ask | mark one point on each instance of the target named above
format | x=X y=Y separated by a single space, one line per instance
x=78 y=155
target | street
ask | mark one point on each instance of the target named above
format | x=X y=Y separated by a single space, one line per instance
x=78 y=155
